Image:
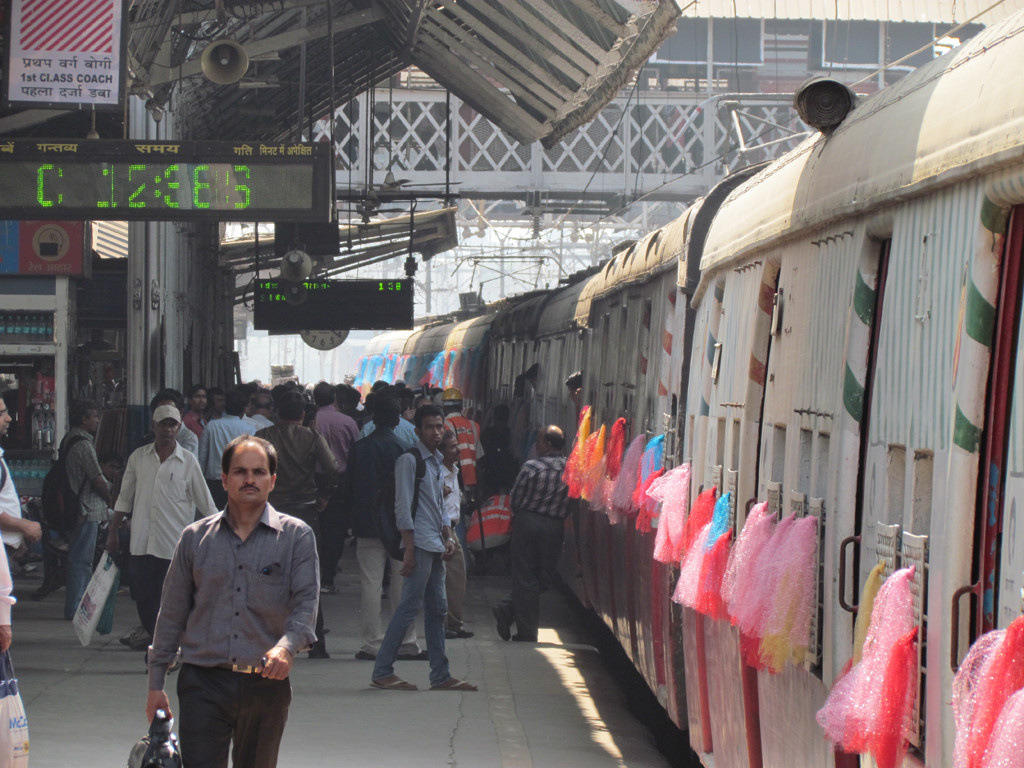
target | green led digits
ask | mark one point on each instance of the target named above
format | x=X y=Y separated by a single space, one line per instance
x=40 y=182
x=198 y=186
x=243 y=188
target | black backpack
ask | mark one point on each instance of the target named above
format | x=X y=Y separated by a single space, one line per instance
x=387 y=525
x=61 y=510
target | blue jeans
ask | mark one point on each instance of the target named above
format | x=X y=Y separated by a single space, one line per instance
x=424 y=586
x=79 y=570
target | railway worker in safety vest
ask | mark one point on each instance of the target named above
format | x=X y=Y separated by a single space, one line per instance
x=467 y=432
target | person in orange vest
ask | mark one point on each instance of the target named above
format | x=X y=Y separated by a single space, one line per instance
x=467 y=433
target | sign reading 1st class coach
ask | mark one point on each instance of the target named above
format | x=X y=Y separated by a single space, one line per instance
x=66 y=54
x=156 y=180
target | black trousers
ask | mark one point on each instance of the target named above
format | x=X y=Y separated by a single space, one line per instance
x=334 y=524
x=222 y=711
x=148 y=574
x=536 y=545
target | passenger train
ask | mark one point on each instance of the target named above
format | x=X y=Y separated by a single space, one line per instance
x=836 y=334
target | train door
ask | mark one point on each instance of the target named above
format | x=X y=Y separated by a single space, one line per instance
x=1000 y=539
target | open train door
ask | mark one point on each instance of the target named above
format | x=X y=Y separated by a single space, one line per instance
x=1001 y=548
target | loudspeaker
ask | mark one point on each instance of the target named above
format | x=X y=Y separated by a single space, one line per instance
x=296 y=266
x=823 y=103
x=224 y=61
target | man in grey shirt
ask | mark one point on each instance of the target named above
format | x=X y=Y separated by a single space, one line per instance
x=239 y=599
x=86 y=478
x=427 y=540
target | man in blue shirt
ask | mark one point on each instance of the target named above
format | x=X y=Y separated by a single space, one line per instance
x=427 y=539
x=216 y=436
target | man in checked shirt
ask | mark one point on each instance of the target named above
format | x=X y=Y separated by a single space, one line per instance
x=539 y=507
x=240 y=600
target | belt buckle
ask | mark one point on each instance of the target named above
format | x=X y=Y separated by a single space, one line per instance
x=242 y=670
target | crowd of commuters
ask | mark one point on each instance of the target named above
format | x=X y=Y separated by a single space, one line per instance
x=261 y=489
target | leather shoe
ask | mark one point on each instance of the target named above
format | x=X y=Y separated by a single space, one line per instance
x=457 y=634
x=318 y=653
x=366 y=656
x=504 y=622
x=421 y=656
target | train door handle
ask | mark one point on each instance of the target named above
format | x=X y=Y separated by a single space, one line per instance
x=954 y=638
x=842 y=573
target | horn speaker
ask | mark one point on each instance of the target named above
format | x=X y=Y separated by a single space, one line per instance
x=224 y=62
x=296 y=266
x=823 y=103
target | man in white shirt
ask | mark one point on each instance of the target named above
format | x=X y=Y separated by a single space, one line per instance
x=7 y=492
x=161 y=488
x=261 y=411
x=455 y=569
x=13 y=526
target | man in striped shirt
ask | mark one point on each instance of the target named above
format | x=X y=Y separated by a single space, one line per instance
x=539 y=508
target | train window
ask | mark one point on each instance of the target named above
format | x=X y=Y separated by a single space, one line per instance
x=735 y=444
x=806 y=451
x=778 y=458
x=921 y=503
x=720 y=438
x=895 y=483
x=821 y=475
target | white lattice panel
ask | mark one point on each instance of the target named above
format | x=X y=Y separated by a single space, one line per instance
x=716 y=478
x=774 y=497
x=887 y=546
x=816 y=508
x=798 y=503
x=914 y=551
x=731 y=483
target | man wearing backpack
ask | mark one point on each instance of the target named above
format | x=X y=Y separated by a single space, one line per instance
x=427 y=539
x=86 y=482
x=371 y=464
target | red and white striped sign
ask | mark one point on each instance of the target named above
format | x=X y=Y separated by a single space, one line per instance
x=67 y=25
x=66 y=52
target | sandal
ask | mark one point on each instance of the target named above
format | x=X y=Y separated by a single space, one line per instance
x=452 y=684
x=393 y=683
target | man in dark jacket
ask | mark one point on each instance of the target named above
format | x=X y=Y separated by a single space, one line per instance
x=300 y=450
x=371 y=463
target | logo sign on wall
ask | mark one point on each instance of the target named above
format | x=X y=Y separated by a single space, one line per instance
x=63 y=54
x=42 y=248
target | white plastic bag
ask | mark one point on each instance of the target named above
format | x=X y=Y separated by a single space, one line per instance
x=13 y=722
x=94 y=598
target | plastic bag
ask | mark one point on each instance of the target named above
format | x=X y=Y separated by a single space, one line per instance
x=13 y=738
x=87 y=616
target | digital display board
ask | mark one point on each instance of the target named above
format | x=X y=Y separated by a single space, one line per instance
x=334 y=305
x=93 y=179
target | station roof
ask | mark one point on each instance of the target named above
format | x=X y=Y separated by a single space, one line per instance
x=536 y=68
x=936 y=11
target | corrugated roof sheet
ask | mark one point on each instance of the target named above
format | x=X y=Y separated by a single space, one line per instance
x=937 y=11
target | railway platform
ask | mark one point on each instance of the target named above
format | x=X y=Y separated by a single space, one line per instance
x=552 y=704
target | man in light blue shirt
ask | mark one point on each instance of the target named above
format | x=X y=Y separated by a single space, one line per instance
x=406 y=430
x=216 y=436
x=427 y=539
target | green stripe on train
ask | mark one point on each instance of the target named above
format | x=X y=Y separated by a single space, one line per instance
x=966 y=435
x=863 y=300
x=853 y=395
x=979 y=316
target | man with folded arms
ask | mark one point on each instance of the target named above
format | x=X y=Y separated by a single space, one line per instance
x=240 y=600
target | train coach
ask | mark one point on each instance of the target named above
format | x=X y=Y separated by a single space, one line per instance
x=856 y=360
x=829 y=344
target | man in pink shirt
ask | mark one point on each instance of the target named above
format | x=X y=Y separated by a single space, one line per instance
x=195 y=419
x=340 y=431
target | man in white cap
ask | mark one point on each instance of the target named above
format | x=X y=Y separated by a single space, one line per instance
x=161 y=489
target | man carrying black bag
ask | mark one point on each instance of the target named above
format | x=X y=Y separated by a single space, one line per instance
x=239 y=599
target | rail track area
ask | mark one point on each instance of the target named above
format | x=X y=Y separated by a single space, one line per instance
x=558 y=703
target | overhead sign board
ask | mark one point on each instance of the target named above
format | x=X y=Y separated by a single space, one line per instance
x=95 y=179
x=333 y=305
x=66 y=55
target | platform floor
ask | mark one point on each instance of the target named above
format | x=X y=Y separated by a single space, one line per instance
x=544 y=705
